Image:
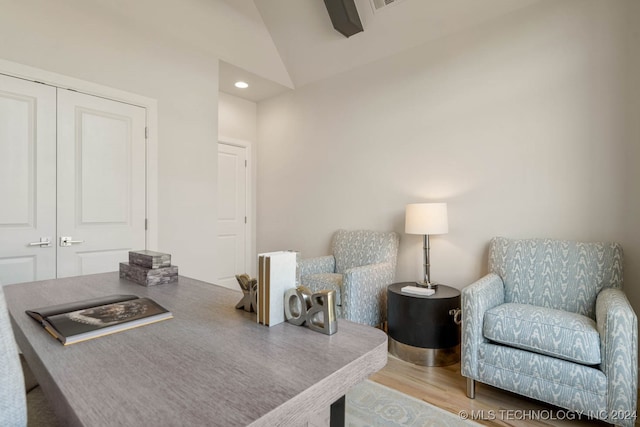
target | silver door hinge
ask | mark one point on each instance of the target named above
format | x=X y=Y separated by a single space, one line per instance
x=146 y=133
x=146 y=223
x=245 y=219
x=245 y=163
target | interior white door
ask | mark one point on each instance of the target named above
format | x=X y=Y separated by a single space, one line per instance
x=101 y=183
x=27 y=181
x=232 y=214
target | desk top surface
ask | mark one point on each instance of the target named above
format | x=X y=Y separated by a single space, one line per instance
x=210 y=365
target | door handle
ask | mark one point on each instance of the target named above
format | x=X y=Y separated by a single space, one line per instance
x=44 y=242
x=68 y=241
x=457 y=315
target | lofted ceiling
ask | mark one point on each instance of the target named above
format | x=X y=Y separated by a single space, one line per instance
x=311 y=50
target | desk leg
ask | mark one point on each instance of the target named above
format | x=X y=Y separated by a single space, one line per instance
x=337 y=413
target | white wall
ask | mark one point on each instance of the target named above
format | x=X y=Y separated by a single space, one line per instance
x=77 y=39
x=523 y=125
x=630 y=220
x=237 y=118
x=238 y=124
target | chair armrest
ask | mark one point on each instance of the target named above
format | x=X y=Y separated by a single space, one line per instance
x=477 y=298
x=364 y=293
x=317 y=265
x=618 y=327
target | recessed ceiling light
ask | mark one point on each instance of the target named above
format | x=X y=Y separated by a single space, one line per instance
x=242 y=85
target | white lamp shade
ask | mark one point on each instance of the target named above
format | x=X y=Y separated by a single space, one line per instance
x=426 y=218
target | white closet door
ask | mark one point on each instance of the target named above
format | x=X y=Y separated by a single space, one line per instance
x=27 y=180
x=101 y=183
x=232 y=211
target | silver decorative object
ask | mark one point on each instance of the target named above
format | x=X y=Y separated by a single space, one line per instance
x=297 y=302
x=249 y=286
x=321 y=317
x=317 y=310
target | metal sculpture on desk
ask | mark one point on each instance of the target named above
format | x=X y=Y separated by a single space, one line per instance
x=317 y=310
x=249 y=301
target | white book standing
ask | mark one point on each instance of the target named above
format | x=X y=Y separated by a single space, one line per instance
x=276 y=274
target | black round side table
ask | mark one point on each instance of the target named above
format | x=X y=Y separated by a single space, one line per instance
x=424 y=330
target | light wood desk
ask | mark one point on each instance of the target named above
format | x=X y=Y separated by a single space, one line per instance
x=211 y=365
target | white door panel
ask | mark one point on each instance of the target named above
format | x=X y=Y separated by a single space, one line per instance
x=100 y=261
x=72 y=166
x=27 y=180
x=101 y=182
x=18 y=269
x=232 y=208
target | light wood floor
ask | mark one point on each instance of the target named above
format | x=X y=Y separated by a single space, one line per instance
x=445 y=387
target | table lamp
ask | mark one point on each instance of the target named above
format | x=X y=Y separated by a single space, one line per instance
x=426 y=219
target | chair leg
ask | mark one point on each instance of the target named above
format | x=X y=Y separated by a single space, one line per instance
x=471 y=388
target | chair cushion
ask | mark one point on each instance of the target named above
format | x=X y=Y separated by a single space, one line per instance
x=555 y=333
x=324 y=281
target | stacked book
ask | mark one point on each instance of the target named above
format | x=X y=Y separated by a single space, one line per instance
x=83 y=320
x=276 y=274
x=149 y=268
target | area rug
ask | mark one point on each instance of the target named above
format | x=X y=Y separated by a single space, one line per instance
x=372 y=404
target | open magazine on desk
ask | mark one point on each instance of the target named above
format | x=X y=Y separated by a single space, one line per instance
x=83 y=320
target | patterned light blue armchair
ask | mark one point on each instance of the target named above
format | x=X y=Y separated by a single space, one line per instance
x=550 y=321
x=18 y=409
x=363 y=264
x=13 y=403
